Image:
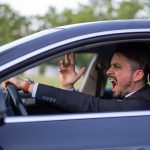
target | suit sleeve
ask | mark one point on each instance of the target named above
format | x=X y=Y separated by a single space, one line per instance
x=79 y=102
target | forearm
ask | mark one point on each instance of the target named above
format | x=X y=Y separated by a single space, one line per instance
x=68 y=100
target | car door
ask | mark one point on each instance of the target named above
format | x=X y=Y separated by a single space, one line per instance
x=81 y=131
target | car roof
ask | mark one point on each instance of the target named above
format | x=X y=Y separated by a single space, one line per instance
x=47 y=40
x=85 y=28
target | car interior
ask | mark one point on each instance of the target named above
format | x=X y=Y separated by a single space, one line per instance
x=94 y=82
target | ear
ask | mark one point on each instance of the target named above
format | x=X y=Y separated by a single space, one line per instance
x=138 y=75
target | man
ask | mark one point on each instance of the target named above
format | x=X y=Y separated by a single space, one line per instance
x=128 y=74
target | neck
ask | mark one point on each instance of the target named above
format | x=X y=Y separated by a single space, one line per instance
x=137 y=86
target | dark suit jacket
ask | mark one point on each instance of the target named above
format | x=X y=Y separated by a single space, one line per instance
x=79 y=102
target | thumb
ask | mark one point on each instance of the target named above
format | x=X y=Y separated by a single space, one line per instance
x=81 y=72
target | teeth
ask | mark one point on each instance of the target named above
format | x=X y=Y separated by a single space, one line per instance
x=111 y=79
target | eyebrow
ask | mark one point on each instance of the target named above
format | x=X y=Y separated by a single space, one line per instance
x=116 y=64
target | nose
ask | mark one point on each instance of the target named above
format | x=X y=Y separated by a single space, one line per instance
x=109 y=71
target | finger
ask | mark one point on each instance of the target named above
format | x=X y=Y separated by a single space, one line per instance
x=72 y=58
x=3 y=85
x=81 y=72
x=59 y=70
x=61 y=64
x=67 y=61
x=62 y=71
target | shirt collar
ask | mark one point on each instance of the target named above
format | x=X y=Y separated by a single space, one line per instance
x=129 y=94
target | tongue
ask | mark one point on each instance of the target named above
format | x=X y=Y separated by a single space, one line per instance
x=113 y=84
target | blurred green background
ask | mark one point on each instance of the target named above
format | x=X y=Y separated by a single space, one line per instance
x=13 y=25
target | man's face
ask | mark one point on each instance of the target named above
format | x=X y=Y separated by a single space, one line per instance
x=121 y=75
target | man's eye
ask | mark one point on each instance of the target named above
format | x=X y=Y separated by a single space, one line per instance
x=117 y=66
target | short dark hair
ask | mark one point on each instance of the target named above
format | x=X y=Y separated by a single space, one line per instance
x=137 y=52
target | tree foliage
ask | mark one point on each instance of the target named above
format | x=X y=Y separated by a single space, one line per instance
x=14 y=26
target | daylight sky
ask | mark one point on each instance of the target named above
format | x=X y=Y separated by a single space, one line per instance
x=39 y=7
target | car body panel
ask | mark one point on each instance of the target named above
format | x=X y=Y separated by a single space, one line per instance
x=93 y=131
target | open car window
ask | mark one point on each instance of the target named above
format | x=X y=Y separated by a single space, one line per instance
x=48 y=72
x=94 y=82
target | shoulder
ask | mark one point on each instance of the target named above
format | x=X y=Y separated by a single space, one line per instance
x=143 y=93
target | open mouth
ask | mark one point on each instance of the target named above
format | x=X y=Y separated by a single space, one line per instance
x=113 y=82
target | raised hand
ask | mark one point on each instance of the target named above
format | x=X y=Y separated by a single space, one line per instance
x=67 y=73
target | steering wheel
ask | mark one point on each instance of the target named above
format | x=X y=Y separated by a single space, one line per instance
x=16 y=99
